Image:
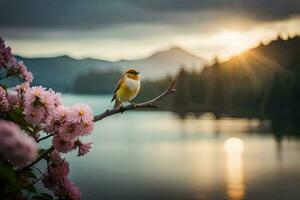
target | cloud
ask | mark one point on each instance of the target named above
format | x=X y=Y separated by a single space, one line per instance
x=258 y=9
x=116 y=29
x=97 y=14
x=75 y=14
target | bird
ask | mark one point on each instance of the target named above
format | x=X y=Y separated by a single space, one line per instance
x=127 y=88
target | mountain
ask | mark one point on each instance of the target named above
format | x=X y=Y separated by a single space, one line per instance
x=60 y=72
x=165 y=62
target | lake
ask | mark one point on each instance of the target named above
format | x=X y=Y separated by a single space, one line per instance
x=158 y=155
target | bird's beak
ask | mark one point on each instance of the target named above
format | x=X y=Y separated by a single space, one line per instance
x=138 y=73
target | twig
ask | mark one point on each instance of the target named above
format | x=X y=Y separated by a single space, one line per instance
x=37 y=160
x=149 y=104
x=43 y=138
x=37 y=180
x=39 y=171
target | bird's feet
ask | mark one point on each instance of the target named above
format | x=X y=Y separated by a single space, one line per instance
x=122 y=109
x=133 y=104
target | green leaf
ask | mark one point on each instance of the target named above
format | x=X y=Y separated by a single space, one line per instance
x=8 y=179
x=31 y=189
x=31 y=174
x=7 y=173
x=43 y=196
x=3 y=86
x=41 y=151
x=47 y=196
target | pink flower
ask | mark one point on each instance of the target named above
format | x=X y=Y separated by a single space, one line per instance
x=50 y=100
x=49 y=182
x=62 y=187
x=47 y=100
x=56 y=179
x=85 y=128
x=72 y=191
x=55 y=157
x=4 y=105
x=33 y=94
x=24 y=73
x=79 y=121
x=68 y=190
x=34 y=111
x=15 y=146
x=39 y=104
x=52 y=179
x=60 y=113
x=83 y=148
x=59 y=169
x=22 y=88
x=55 y=119
x=56 y=97
x=61 y=144
x=79 y=113
x=14 y=68
x=68 y=131
x=14 y=98
x=6 y=56
x=34 y=115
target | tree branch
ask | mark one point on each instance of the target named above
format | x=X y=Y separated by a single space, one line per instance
x=149 y=104
x=47 y=136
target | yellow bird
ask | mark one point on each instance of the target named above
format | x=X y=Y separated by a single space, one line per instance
x=127 y=89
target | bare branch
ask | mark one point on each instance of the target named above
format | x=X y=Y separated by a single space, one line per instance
x=149 y=104
x=47 y=136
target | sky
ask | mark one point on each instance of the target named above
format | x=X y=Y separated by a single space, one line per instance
x=130 y=29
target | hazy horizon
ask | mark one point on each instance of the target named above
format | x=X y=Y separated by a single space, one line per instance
x=167 y=48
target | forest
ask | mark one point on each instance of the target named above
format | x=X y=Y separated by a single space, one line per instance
x=262 y=82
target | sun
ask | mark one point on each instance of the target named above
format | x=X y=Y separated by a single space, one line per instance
x=232 y=42
x=234 y=146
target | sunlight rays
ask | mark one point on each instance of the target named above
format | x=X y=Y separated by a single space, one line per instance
x=234 y=41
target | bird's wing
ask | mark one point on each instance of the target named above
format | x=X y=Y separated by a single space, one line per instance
x=122 y=79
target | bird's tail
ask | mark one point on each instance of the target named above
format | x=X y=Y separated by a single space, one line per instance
x=118 y=103
x=114 y=97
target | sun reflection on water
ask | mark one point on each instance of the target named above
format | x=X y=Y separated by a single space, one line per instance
x=235 y=186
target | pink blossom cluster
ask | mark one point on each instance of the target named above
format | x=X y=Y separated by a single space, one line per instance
x=24 y=73
x=56 y=178
x=14 y=99
x=39 y=103
x=11 y=65
x=6 y=57
x=71 y=123
x=22 y=88
x=4 y=105
x=15 y=146
x=44 y=108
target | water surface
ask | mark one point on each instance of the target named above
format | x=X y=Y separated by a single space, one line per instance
x=157 y=155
